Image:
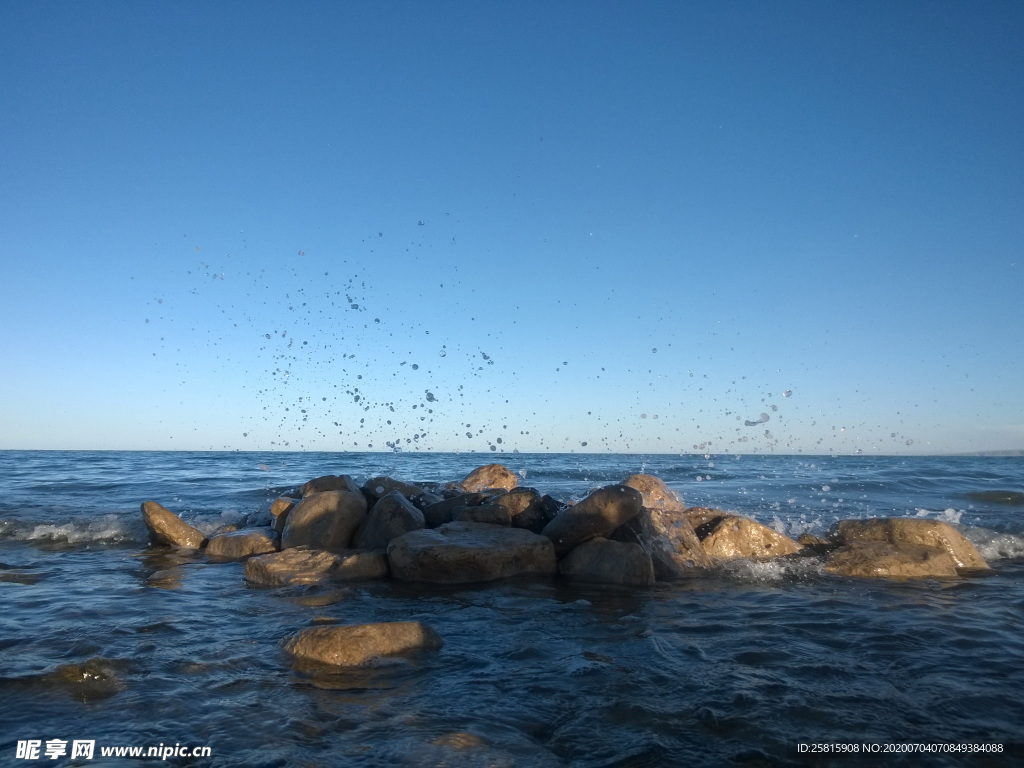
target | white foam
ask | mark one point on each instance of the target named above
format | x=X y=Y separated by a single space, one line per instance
x=993 y=545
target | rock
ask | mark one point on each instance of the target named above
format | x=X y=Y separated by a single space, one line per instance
x=489 y=476
x=350 y=646
x=165 y=527
x=597 y=515
x=443 y=511
x=656 y=494
x=882 y=559
x=734 y=536
x=491 y=513
x=667 y=536
x=390 y=517
x=902 y=531
x=298 y=565
x=279 y=510
x=329 y=483
x=699 y=516
x=377 y=487
x=239 y=545
x=609 y=562
x=325 y=520
x=359 y=565
x=468 y=552
x=527 y=508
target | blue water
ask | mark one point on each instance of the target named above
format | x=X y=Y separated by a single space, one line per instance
x=104 y=638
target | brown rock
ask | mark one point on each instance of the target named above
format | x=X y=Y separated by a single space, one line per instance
x=597 y=515
x=527 y=508
x=325 y=520
x=608 y=562
x=351 y=646
x=925 y=533
x=734 y=536
x=667 y=536
x=239 y=545
x=468 y=552
x=329 y=483
x=279 y=510
x=378 y=487
x=655 y=493
x=882 y=559
x=291 y=566
x=699 y=516
x=489 y=476
x=165 y=527
x=361 y=564
x=390 y=517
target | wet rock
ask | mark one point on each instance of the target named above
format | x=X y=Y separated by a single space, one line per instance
x=733 y=536
x=882 y=559
x=467 y=552
x=667 y=536
x=491 y=513
x=656 y=495
x=913 y=531
x=167 y=528
x=813 y=545
x=280 y=510
x=350 y=646
x=239 y=545
x=608 y=562
x=329 y=483
x=325 y=520
x=92 y=680
x=699 y=516
x=392 y=516
x=489 y=476
x=527 y=508
x=597 y=515
x=298 y=565
x=377 y=487
x=442 y=512
x=359 y=565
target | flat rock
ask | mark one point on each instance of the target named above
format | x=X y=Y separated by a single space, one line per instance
x=298 y=565
x=884 y=560
x=925 y=533
x=598 y=515
x=462 y=552
x=325 y=520
x=656 y=495
x=239 y=545
x=392 y=516
x=667 y=536
x=167 y=528
x=608 y=562
x=489 y=476
x=349 y=646
x=733 y=536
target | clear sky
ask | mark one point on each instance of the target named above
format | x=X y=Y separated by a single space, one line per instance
x=588 y=226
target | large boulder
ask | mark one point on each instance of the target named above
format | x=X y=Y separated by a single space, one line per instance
x=325 y=520
x=655 y=493
x=597 y=515
x=167 y=528
x=732 y=536
x=329 y=483
x=349 y=646
x=465 y=552
x=608 y=562
x=390 y=517
x=667 y=536
x=489 y=476
x=884 y=560
x=239 y=545
x=902 y=531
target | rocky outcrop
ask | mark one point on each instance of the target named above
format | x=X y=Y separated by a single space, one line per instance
x=239 y=545
x=608 y=562
x=279 y=510
x=902 y=531
x=884 y=560
x=301 y=565
x=489 y=476
x=467 y=552
x=667 y=536
x=597 y=515
x=656 y=495
x=325 y=520
x=329 y=483
x=350 y=646
x=392 y=516
x=732 y=536
x=167 y=528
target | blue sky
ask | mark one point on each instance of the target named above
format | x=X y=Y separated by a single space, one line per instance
x=643 y=227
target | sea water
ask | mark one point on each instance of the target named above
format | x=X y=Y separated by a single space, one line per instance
x=104 y=639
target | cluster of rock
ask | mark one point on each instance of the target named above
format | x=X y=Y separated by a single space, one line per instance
x=486 y=528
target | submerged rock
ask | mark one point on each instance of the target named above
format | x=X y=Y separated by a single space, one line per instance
x=902 y=531
x=609 y=562
x=392 y=516
x=350 y=646
x=165 y=527
x=325 y=520
x=732 y=536
x=597 y=515
x=239 y=545
x=882 y=559
x=467 y=552
x=489 y=476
